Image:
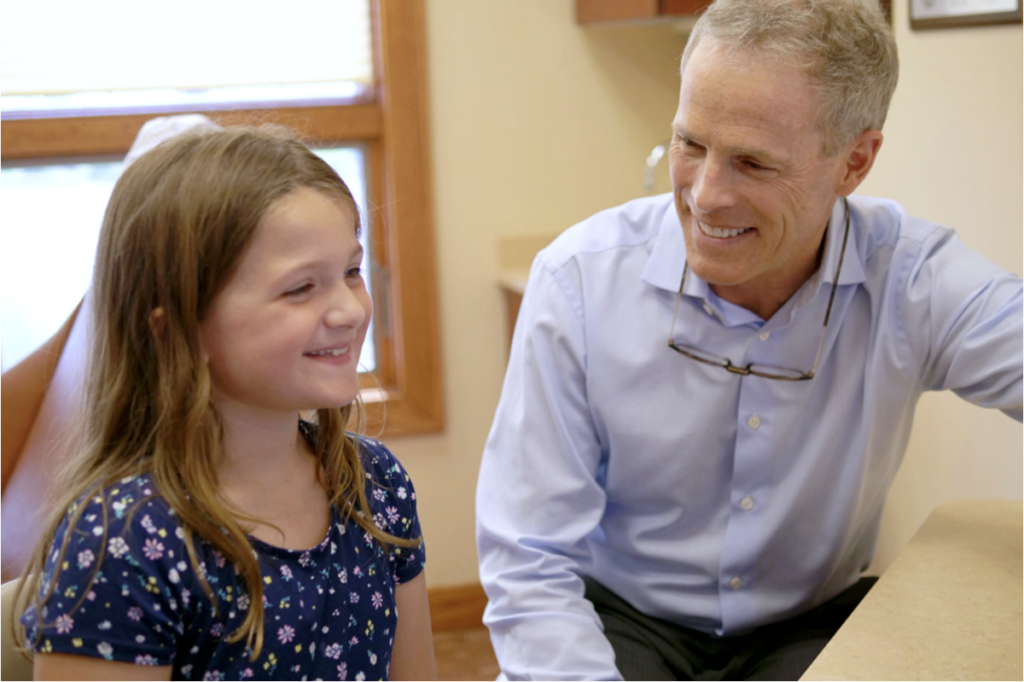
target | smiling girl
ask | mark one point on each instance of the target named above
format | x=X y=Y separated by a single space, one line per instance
x=207 y=532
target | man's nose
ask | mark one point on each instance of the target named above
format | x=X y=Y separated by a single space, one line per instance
x=712 y=187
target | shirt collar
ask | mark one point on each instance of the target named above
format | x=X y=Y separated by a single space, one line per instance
x=664 y=268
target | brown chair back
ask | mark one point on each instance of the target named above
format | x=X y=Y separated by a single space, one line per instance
x=36 y=407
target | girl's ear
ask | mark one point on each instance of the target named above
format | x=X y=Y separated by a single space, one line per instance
x=156 y=321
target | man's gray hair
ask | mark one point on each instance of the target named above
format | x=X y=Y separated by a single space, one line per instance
x=845 y=46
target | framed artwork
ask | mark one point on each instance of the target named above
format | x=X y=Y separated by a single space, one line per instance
x=949 y=13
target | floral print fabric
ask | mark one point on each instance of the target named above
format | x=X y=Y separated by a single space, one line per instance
x=329 y=612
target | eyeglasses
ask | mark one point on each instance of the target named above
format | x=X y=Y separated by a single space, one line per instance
x=765 y=371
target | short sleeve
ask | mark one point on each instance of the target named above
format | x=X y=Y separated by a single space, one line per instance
x=393 y=500
x=118 y=595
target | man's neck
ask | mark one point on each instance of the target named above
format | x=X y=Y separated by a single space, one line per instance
x=765 y=296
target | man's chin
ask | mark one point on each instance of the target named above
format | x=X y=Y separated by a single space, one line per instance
x=718 y=274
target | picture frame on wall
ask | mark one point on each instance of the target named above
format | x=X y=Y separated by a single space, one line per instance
x=925 y=14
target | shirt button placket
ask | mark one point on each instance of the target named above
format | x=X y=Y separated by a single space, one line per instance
x=738 y=590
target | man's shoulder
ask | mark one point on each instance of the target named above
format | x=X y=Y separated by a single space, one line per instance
x=887 y=222
x=628 y=225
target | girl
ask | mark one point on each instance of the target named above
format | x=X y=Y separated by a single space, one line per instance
x=207 y=532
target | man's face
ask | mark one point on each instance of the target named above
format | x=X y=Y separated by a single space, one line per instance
x=751 y=188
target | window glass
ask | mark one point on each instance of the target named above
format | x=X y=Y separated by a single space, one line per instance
x=49 y=227
x=124 y=53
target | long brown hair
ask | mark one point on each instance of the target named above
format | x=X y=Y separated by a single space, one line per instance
x=178 y=222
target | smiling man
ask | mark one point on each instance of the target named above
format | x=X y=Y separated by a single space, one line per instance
x=709 y=393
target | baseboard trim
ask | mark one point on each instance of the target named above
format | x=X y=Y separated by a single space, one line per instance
x=458 y=607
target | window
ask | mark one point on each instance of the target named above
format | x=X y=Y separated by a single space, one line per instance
x=381 y=124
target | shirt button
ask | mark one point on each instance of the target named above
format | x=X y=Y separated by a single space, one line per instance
x=754 y=422
x=764 y=336
x=736 y=583
x=708 y=309
x=746 y=504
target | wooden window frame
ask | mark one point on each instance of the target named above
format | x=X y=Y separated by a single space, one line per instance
x=405 y=391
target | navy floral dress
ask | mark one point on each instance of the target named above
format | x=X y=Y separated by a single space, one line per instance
x=329 y=612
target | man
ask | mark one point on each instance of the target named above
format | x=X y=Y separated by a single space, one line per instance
x=709 y=394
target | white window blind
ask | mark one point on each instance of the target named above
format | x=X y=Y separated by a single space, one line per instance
x=61 y=47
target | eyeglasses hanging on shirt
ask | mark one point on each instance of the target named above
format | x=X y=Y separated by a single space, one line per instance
x=765 y=371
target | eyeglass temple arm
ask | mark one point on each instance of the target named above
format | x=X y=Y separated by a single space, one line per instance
x=686 y=266
x=835 y=285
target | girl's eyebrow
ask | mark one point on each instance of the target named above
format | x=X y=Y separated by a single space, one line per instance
x=315 y=265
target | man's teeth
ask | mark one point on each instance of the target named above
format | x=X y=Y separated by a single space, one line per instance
x=334 y=351
x=719 y=232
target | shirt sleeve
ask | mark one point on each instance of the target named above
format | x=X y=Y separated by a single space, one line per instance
x=393 y=500
x=126 y=608
x=963 y=317
x=539 y=498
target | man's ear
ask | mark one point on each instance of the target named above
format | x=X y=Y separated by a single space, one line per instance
x=858 y=158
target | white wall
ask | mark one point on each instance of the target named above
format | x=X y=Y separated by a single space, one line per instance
x=537 y=123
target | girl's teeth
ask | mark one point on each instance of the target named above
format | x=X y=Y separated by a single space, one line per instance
x=719 y=232
x=335 y=352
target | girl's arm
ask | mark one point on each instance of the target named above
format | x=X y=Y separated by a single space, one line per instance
x=413 y=655
x=71 y=667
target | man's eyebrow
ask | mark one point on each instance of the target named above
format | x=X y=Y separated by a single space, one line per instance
x=759 y=154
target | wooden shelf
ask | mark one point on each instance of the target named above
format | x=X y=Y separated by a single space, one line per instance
x=590 y=12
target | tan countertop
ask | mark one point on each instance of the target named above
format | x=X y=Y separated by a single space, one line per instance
x=948 y=608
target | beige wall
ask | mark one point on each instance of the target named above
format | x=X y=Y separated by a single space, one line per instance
x=537 y=123
x=952 y=154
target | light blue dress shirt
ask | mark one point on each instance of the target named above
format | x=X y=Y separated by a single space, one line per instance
x=718 y=502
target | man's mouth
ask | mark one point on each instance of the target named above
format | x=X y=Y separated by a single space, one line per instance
x=327 y=352
x=721 y=233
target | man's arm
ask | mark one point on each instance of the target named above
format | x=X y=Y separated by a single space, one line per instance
x=963 y=317
x=538 y=496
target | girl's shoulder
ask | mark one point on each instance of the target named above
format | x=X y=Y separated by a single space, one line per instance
x=381 y=465
x=129 y=505
x=380 y=462
x=117 y=579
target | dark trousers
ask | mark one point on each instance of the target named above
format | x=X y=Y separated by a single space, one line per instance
x=653 y=649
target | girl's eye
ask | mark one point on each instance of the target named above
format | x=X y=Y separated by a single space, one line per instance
x=298 y=291
x=352 y=273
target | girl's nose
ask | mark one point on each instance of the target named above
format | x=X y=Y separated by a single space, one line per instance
x=346 y=310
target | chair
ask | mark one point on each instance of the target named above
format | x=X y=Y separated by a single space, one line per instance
x=36 y=406
x=14 y=665
x=38 y=397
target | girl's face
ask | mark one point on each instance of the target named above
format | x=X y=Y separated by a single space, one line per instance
x=285 y=332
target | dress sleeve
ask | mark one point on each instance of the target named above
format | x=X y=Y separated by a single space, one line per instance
x=539 y=498
x=963 y=319
x=117 y=595
x=393 y=500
